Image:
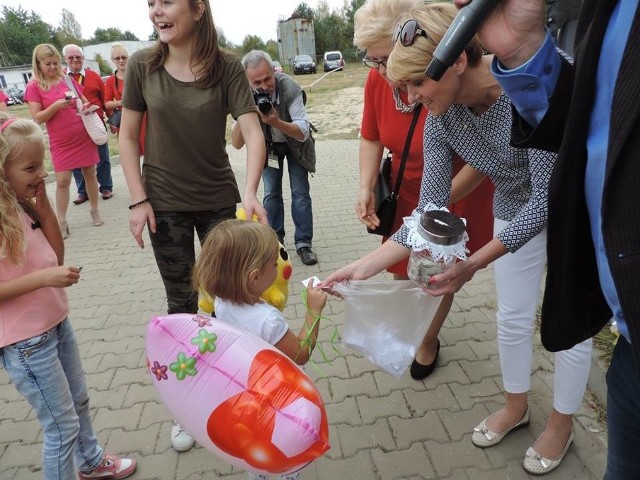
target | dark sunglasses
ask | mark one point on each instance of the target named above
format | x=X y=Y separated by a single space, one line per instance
x=408 y=33
x=119 y=59
x=371 y=63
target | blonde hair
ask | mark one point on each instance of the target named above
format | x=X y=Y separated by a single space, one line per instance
x=408 y=63
x=40 y=54
x=231 y=251
x=14 y=134
x=118 y=46
x=374 y=21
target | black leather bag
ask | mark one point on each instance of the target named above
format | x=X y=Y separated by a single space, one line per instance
x=387 y=199
x=385 y=203
x=115 y=118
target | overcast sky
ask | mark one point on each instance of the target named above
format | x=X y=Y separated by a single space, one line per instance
x=236 y=18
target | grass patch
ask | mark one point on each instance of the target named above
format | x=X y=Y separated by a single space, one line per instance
x=604 y=341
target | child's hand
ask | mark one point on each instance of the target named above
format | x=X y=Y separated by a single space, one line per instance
x=60 y=277
x=43 y=205
x=316 y=299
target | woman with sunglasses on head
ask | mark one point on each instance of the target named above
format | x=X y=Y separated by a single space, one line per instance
x=471 y=116
x=186 y=86
x=386 y=118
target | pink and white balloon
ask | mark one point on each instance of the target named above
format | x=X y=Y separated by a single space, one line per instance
x=238 y=396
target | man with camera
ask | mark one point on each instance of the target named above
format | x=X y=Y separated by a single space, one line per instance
x=287 y=133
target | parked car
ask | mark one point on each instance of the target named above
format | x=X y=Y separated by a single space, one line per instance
x=333 y=61
x=16 y=95
x=277 y=66
x=10 y=100
x=303 y=64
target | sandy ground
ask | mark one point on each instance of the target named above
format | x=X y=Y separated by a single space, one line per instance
x=336 y=115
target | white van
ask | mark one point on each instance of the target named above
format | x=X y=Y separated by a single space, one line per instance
x=333 y=61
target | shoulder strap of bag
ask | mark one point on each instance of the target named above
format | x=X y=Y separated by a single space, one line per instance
x=405 y=152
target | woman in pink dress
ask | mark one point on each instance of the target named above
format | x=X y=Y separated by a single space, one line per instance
x=51 y=101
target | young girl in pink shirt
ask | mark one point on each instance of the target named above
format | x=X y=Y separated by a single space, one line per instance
x=38 y=348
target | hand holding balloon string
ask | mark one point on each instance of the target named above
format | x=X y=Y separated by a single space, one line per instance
x=309 y=342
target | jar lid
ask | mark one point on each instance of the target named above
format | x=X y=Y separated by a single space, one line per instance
x=441 y=227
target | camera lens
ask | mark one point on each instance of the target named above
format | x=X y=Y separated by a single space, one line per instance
x=264 y=105
x=262 y=101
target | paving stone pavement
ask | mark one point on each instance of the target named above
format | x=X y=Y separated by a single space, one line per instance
x=381 y=428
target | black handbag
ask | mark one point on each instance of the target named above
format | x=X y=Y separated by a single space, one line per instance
x=387 y=199
x=115 y=118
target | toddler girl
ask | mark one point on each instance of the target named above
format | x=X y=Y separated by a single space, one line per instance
x=38 y=348
x=238 y=262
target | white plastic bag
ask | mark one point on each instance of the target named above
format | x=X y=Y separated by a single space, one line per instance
x=386 y=320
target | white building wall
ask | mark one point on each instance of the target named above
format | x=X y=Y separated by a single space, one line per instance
x=104 y=50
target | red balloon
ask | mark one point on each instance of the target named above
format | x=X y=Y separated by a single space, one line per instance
x=274 y=383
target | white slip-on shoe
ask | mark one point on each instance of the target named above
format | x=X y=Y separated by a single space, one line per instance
x=483 y=437
x=538 y=465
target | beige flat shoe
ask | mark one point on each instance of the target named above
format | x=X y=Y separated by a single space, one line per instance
x=97 y=219
x=64 y=229
x=483 y=437
x=538 y=465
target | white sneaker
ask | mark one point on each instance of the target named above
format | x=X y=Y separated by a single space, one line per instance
x=181 y=441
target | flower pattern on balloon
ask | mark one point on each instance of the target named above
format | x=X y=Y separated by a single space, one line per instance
x=184 y=366
x=206 y=341
x=160 y=371
x=202 y=321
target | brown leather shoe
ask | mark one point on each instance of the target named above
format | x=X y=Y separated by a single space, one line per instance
x=80 y=199
x=107 y=194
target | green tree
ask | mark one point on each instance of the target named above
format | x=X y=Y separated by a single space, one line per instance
x=349 y=12
x=251 y=42
x=330 y=28
x=303 y=10
x=271 y=47
x=127 y=35
x=20 y=32
x=69 y=30
x=223 y=42
x=106 y=35
x=105 y=67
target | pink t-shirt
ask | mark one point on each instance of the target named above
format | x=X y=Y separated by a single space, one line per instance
x=3 y=97
x=36 y=312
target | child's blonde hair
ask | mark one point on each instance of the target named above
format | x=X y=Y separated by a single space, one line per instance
x=14 y=134
x=231 y=251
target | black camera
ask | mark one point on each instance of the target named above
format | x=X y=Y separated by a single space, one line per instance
x=262 y=101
